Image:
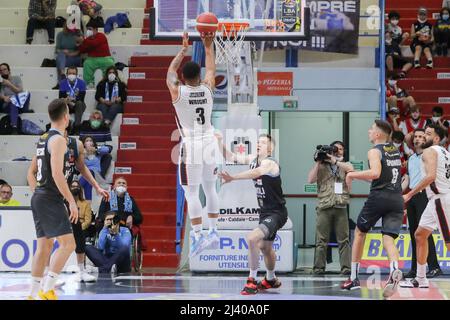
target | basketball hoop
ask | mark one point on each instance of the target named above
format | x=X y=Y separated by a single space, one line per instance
x=229 y=41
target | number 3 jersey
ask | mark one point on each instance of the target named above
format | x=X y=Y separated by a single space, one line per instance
x=45 y=182
x=442 y=183
x=391 y=163
x=194 y=109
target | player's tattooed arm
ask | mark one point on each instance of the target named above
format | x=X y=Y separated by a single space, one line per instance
x=429 y=158
x=172 y=75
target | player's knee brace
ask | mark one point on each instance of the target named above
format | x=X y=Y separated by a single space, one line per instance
x=212 y=199
x=191 y=194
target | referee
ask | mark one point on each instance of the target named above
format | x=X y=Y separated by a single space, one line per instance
x=416 y=206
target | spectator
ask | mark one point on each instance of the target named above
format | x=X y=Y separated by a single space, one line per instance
x=437 y=118
x=41 y=15
x=111 y=94
x=2 y=182
x=393 y=27
x=333 y=198
x=96 y=127
x=412 y=122
x=97 y=159
x=442 y=32
x=398 y=139
x=79 y=230
x=121 y=202
x=67 y=54
x=114 y=246
x=95 y=45
x=394 y=58
x=6 y=195
x=398 y=97
x=422 y=39
x=393 y=117
x=14 y=101
x=73 y=90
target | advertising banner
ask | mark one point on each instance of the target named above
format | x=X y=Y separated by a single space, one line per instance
x=334 y=27
x=275 y=83
x=375 y=256
x=233 y=250
x=18 y=241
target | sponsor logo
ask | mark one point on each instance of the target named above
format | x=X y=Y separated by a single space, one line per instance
x=221 y=82
x=240 y=210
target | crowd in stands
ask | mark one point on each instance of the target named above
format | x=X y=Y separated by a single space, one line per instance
x=88 y=48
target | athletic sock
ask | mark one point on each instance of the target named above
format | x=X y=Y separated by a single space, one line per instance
x=35 y=286
x=212 y=224
x=253 y=273
x=355 y=270
x=50 y=281
x=197 y=231
x=421 y=270
x=81 y=266
x=393 y=265
x=270 y=275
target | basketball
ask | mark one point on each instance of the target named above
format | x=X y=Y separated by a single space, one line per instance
x=207 y=22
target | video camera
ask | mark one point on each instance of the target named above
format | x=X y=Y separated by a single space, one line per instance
x=323 y=151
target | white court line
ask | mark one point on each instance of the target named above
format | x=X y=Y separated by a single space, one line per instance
x=203 y=278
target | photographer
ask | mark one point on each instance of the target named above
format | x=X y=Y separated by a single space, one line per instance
x=329 y=172
x=113 y=248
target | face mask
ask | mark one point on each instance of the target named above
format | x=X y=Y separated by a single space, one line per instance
x=96 y=124
x=397 y=145
x=89 y=33
x=5 y=76
x=445 y=17
x=121 y=189
x=394 y=22
x=76 y=191
x=111 y=77
x=436 y=119
x=72 y=77
x=392 y=83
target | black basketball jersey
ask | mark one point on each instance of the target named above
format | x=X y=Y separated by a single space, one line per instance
x=423 y=27
x=391 y=163
x=72 y=149
x=268 y=190
x=45 y=182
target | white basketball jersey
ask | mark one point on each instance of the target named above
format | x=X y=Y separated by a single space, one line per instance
x=194 y=109
x=442 y=183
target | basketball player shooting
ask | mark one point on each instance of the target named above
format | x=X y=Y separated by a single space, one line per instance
x=193 y=103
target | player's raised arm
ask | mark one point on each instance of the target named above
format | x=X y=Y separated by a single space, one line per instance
x=172 y=80
x=267 y=166
x=210 y=61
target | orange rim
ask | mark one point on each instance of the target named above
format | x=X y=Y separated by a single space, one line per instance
x=232 y=27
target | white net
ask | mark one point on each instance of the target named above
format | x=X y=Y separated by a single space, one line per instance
x=230 y=42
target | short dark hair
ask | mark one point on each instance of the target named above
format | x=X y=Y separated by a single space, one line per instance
x=384 y=126
x=72 y=68
x=191 y=70
x=398 y=135
x=116 y=218
x=6 y=185
x=438 y=109
x=7 y=66
x=438 y=130
x=57 y=109
x=419 y=129
x=394 y=14
x=338 y=142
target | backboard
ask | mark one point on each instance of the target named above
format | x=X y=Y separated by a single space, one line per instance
x=268 y=19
